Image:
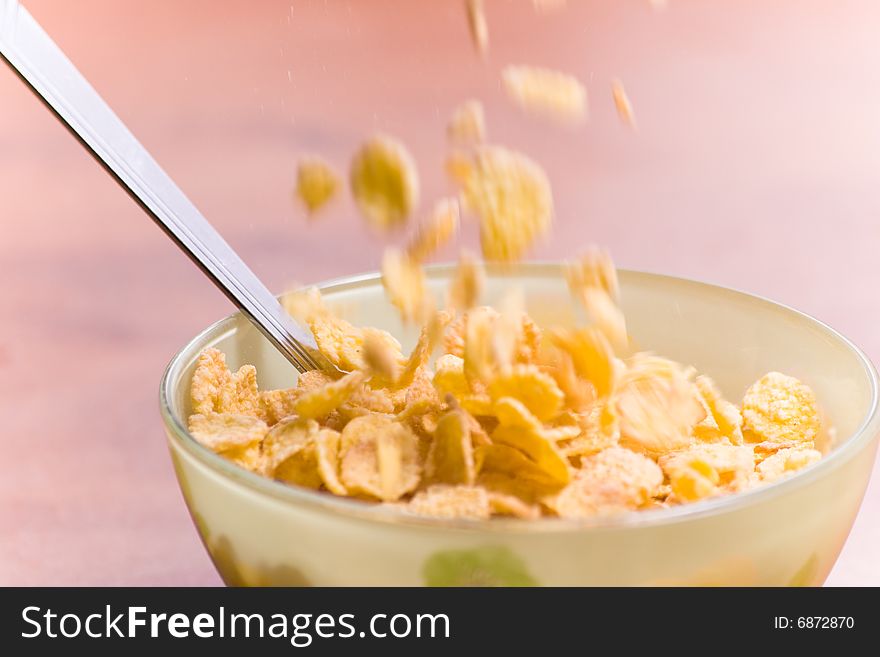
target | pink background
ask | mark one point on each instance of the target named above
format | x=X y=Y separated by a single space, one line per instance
x=755 y=166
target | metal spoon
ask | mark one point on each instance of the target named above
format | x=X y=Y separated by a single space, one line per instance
x=43 y=67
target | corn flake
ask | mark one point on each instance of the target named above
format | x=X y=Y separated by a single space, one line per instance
x=477 y=25
x=786 y=461
x=779 y=408
x=405 y=285
x=214 y=389
x=316 y=183
x=622 y=104
x=546 y=92
x=451 y=455
x=441 y=226
x=379 y=458
x=224 y=431
x=535 y=389
x=512 y=197
x=468 y=123
x=443 y=501
x=384 y=182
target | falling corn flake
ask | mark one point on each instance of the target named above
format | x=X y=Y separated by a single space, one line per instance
x=405 y=285
x=466 y=286
x=622 y=104
x=477 y=25
x=384 y=182
x=657 y=405
x=546 y=92
x=594 y=269
x=380 y=357
x=467 y=126
x=459 y=167
x=316 y=183
x=512 y=198
x=441 y=226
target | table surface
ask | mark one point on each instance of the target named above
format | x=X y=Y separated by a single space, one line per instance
x=755 y=166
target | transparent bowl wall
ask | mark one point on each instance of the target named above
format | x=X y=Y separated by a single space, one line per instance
x=261 y=532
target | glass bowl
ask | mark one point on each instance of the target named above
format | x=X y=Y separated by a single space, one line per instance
x=262 y=532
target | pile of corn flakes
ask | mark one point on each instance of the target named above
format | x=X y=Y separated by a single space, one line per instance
x=511 y=418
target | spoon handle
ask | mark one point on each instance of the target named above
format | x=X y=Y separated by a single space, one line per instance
x=43 y=67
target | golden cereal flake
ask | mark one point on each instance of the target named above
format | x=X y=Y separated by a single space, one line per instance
x=441 y=226
x=467 y=284
x=443 y=501
x=606 y=315
x=285 y=439
x=594 y=269
x=543 y=452
x=511 y=412
x=477 y=25
x=612 y=481
x=303 y=304
x=214 y=389
x=379 y=458
x=579 y=393
x=546 y=92
x=449 y=377
x=318 y=403
x=327 y=457
x=276 y=405
x=468 y=123
x=599 y=430
x=459 y=167
x=405 y=284
x=339 y=341
x=451 y=455
x=316 y=183
x=726 y=415
x=223 y=431
x=300 y=468
x=657 y=405
x=622 y=104
x=429 y=337
x=384 y=182
x=779 y=408
x=453 y=338
x=786 y=462
x=591 y=355
x=511 y=195
x=478 y=354
x=535 y=389
x=502 y=504
x=249 y=457
x=705 y=470
x=500 y=462
x=769 y=448
x=380 y=357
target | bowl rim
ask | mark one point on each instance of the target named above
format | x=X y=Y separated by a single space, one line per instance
x=373 y=512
